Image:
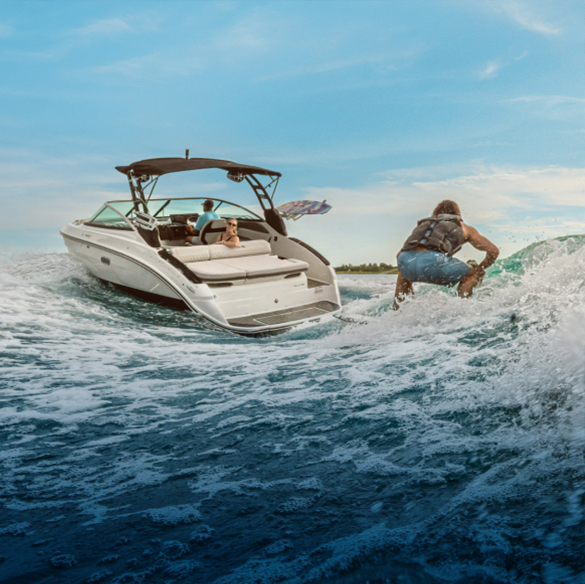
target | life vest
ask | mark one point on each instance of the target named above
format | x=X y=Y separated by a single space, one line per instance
x=441 y=233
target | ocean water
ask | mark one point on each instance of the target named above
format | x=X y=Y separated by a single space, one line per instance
x=440 y=443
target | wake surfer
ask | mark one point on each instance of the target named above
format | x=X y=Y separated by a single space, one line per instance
x=427 y=255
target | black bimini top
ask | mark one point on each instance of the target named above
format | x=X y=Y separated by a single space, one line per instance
x=160 y=166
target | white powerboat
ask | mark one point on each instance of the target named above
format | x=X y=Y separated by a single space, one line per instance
x=268 y=283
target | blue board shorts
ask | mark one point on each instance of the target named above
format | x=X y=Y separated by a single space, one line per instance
x=431 y=267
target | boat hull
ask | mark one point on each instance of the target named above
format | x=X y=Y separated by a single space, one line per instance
x=256 y=308
x=122 y=269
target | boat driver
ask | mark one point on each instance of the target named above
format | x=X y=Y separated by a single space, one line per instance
x=427 y=255
x=208 y=215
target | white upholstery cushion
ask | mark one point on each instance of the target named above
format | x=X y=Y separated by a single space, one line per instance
x=246 y=248
x=191 y=253
x=265 y=265
x=214 y=271
x=251 y=259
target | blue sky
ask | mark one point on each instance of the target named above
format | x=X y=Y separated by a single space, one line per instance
x=381 y=108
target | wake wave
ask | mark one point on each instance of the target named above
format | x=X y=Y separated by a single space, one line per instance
x=442 y=442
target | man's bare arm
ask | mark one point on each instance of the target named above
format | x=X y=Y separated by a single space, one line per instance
x=481 y=243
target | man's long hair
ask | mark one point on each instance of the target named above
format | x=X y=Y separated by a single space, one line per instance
x=447 y=207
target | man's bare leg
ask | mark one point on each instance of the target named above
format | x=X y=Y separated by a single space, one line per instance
x=403 y=289
x=473 y=279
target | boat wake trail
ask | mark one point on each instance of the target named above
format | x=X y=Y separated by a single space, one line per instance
x=440 y=443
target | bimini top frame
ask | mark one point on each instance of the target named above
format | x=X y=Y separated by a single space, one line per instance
x=160 y=166
x=145 y=173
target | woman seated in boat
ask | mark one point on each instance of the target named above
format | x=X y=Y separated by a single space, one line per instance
x=230 y=237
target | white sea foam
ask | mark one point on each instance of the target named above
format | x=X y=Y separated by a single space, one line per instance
x=175 y=514
x=422 y=423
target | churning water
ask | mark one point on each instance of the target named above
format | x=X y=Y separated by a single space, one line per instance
x=441 y=443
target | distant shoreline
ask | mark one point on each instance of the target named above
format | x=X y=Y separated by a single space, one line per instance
x=390 y=272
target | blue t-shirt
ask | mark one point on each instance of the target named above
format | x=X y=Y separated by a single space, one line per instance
x=205 y=218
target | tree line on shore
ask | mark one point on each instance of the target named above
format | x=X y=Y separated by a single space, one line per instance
x=381 y=268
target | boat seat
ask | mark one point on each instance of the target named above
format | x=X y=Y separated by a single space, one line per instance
x=266 y=265
x=251 y=259
x=211 y=230
x=253 y=247
x=191 y=253
x=216 y=271
x=246 y=268
x=201 y=253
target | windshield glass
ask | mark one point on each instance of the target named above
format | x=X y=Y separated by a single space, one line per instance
x=163 y=208
x=106 y=217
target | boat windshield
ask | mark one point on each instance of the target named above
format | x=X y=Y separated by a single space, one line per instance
x=107 y=217
x=162 y=209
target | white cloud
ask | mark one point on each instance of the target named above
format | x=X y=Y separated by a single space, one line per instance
x=572 y=132
x=494 y=191
x=233 y=45
x=549 y=225
x=239 y=44
x=522 y=16
x=42 y=191
x=386 y=59
x=39 y=55
x=548 y=99
x=137 y=66
x=526 y=15
x=247 y=34
x=490 y=70
x=503 y=202
x=105 y=27
x=552 y=107
x=5 y=30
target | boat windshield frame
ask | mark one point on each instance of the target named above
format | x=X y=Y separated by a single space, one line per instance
x=252 y=216
x=126 y=222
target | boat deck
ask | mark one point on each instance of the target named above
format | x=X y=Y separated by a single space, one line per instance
x=289 y=315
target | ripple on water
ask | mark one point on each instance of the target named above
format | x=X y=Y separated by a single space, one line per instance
x=442 y=442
